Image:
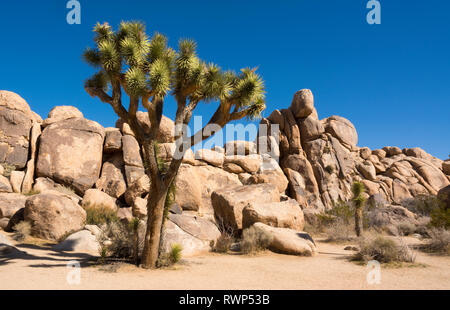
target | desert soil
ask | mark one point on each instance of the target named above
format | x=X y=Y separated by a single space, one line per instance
x=42 y=268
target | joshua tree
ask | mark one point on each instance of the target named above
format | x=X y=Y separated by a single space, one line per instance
x=359 y=201
x=147 y=70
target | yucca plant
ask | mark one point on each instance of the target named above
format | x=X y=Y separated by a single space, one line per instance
x=134 y=226
x=147 y=71
x=359 y=201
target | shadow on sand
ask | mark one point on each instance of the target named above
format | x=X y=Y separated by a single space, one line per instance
x=10 y=254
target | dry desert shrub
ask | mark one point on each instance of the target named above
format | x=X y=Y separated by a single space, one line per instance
x=406 y=229
x=118 y=238
x=383 y=250
x=254 y=240
x=22 y=230
x=439 y=241
x=339 y=231
x=223 y=243
x=99 y=215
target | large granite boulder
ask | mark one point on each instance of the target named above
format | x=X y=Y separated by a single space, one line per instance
x=342 y=129
x=10 y=203
x=112 y=180
x=285 y=214
x=195 y=184
x=229 y=203
x=83 y=242
x=16 y=120
x=194 y=234
x=288 y=241
x=70 y=153
x=166 y=127
x=113 y=140
x=53 y=216
x=303 y=103
x=96 y=198
x=61 y=113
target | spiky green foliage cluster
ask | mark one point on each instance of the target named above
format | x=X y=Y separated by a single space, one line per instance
x=147 y=67
x=358 y=189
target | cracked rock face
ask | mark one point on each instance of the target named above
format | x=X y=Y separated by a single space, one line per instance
x=322 y=160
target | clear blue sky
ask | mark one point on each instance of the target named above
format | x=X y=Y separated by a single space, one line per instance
x=391 y=80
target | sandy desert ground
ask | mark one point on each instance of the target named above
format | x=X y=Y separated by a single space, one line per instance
x=42 y=268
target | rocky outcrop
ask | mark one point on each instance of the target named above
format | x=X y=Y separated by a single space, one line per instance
x=314 y=162
x=322 y=160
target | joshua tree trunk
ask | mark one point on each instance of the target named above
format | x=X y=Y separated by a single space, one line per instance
x=155 y=206
x=358 y=221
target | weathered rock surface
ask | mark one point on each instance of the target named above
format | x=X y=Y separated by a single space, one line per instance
x=211 y=157
x=112 y=179
x=16 y=180
x=10 y=203
x=61 y=113
x=5 y=185
x=288 y=241
x=96 y=198
x=192 y=233
x=139 y=188
x=285 y=214
x=80 y=242
x=303 y=103
x=70 y=153
x=16 y=120
x=53 y=216
x=229 y=203
x=195 y=184
x=113 y=140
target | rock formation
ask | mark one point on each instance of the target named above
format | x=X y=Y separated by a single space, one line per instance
x=67 y=162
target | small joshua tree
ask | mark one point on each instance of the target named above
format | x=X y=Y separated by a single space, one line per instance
x=359 y=201
x=147 y=70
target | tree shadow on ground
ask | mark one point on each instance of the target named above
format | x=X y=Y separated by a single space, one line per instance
x=57 y=258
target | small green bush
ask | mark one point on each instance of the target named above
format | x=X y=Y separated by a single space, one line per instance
x=22 y=230
x=384 y=250
x=172 y=257
x=432 y=206
x=254 y=240
x=31 y=193
x=7 y=169
x=440 y=217
x=100 y=214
